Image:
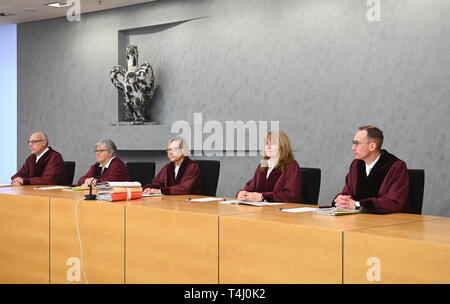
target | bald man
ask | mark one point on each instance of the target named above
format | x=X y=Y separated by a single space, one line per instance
x=44 y=166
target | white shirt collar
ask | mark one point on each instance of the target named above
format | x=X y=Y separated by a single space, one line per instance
x=270 y=167
x=107 y=165
x=369 y=167
x=40 y=155
x=176 y=170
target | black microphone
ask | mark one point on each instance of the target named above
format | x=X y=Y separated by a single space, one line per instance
x=93 y=197
x=90 y=196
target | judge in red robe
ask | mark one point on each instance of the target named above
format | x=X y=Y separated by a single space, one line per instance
x=44 y=166
x=109 y=167
x=180 y=176
x=278 y=178
x=377 y=181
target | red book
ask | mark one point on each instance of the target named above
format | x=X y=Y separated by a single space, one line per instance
x=113 y=197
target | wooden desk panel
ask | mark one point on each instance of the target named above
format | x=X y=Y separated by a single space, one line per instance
x=164 y=246
x=102 y=231
x=170 y=240
x=258 y=252
x=415 y=253
x=278 y=247
x=24 y=239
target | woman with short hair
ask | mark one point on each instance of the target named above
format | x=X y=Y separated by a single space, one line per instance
x=278 y=178
x=109 y=168
x=180 y=176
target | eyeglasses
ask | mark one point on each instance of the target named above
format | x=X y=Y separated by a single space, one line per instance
x=100 y=151
x=173 y=150
x=357 y=143
x=34 y=141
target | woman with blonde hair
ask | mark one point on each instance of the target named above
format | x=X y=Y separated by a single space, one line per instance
x=180 y=176
x=278 y=178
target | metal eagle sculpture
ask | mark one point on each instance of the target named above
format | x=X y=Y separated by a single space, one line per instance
x=137 y=84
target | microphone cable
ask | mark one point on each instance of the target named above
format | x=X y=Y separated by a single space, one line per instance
x=79 y=240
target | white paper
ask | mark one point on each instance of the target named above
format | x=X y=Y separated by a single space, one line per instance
x=251 y=203
x=5 y=185
x=296 y=210
x=151 y=194
x=51 y=188
x=205 y=199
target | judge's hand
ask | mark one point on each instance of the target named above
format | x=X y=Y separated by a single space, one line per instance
x=242 y=195
x=345 y=202
x=18 y=181
x=88 y=181
x=341 y=198
x=151 y=191
x=254 y=197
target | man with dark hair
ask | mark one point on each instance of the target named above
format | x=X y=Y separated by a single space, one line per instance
x=377 y=181
x=44 y=166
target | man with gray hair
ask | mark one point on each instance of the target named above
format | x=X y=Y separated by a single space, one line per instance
x=44 y=166
x=108 y=168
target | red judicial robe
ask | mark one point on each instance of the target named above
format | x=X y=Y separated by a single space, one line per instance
x=385 y=190
x=188 y=179
x=116 y=172
x=280 y=186
x=49 y=170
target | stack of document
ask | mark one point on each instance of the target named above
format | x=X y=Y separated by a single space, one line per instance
x=119 y=191
x=335 y=211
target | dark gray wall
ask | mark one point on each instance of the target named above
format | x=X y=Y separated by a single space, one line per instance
x=318 y=66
